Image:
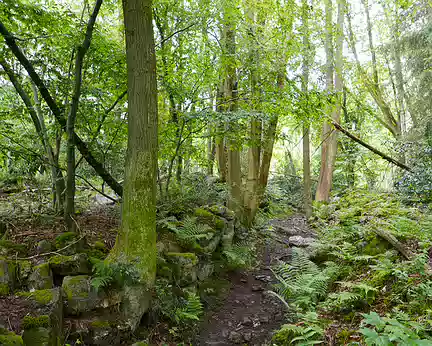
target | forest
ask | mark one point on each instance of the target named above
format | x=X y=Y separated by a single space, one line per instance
x=215 y=172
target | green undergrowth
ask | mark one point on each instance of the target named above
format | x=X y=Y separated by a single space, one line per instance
x=354 y=287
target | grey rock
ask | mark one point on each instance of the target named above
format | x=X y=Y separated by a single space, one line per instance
x=70 y=265
x=43 y=246
x=301 y=241
x=41 y=278
x=81 y=296
x=247 y=321
x=247 y=336
x=235 y=337
x=205 y=270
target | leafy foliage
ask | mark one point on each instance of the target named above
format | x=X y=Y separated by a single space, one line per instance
x=116 y=274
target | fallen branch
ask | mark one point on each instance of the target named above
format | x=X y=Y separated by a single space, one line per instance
x=394 y=242
x=48 y=253
x=371 y=148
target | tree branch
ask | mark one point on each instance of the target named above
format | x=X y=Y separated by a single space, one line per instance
x=81 y=145
x=371 y=148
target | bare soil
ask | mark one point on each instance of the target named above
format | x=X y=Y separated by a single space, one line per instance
x=249 y=314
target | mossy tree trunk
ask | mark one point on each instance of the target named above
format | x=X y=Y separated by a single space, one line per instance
x=136 y=241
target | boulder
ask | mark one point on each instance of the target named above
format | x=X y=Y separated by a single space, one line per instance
x=9 y=248
x=95 y=331
x=205 y=270
x=300 y=241
x=43 y=326
x=24 y=269
x=7 y=276
x=74 y=240
x=43 y=246
x=9 y=338
x=207 y=217
x=184 y=267
x=222 y=211
x=41 y=278
x=70 y=265
x=80 y=295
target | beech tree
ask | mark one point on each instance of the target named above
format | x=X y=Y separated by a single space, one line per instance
x=136 y=241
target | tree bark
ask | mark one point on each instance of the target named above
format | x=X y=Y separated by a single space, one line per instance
x=136 y=241
x=307 y=182
x=81 y=145
x=371 y=148
x=326 y=172
x=70 y=123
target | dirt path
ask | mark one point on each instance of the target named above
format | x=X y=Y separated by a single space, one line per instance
x=249 y=315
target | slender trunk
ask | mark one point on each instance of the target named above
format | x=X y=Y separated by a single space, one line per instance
x=220 y=137
x=80 y=144
x=48 y=147
x=307 y=182
x=324 y=181
x=136 y=241
x=233 y=151
x=251 y=192
x=70 y=124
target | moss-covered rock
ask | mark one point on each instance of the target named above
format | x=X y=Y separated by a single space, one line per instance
x=76 y=242
x=41 y=278
x=208 y=218
x=95 y=330
x=44 y=246
x=39 y=337
x=222 y=211
x=24 y=269
x=44 y=324
x=7 y=276
x=80 y=295
x=140 y=343
x=10 y=338
x=70 y=265
x=9 y=248
x=205 y=270
x=184 y=267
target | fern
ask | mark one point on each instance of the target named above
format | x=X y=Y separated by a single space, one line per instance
x=113 y=274
x=302 y=282
x=188 y=232
x=190 y=311
x=240 y=255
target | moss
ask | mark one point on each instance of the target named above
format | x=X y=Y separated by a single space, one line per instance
x=140 y=343
x=64 y=238
x=30 y=322
x=43 y=297
x=186 y=255
x=96 y=253
x=73 y=282
x=11 y=339
x=24 y=268
x=4 y=290
x=100 y=324
x=44 y=269
x=10 y=245
x=99 y=245
x=209 y=218
x=60 y=259
x=203 y=213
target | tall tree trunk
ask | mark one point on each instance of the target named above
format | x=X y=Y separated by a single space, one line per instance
x=251 y=192
x=330 y=144
x=307 y=182
x=136 y=241
x=235 y=202
x=326 y=173
x=220 y=136
x=70 y=124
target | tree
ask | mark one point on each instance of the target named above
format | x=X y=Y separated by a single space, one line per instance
x=334 y=84
x=136 y=241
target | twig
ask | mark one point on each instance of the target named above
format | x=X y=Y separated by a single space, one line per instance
x=50 y=253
